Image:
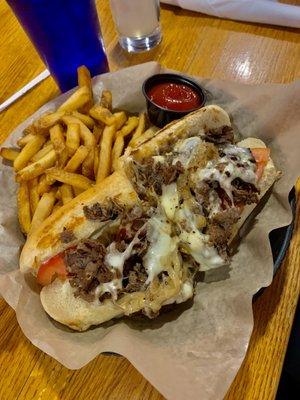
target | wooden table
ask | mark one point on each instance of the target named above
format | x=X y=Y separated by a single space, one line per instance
x=195 y=44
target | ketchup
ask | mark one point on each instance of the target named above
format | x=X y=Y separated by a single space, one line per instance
x=174 y=96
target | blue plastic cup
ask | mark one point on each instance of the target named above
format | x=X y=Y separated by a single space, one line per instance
x=66 y=34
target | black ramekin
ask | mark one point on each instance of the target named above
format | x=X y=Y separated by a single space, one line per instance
x=161 y=116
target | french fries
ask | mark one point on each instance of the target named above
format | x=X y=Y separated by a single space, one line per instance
x=77 y=159
x=102 y=114
x=97 y=132
x=72 y=137
x=144 y=137
x=34 y=197
x=84 y=80
x=9 y=154
x=86 y=119
x=66 y=151
x=130 y=125
x=28 y=151
x=43 y=210
x=105 y=153
x=70 y=178
x=45 y=150
x=37 y=168
x=78 y=99
x=58 y=142
x=140 y=129
x=25 y=139
x=66 y=192
x=106 y=99
x=24 y=208
x=46 y=121
x=120 y=119
x=45 y=183
x=117 y=151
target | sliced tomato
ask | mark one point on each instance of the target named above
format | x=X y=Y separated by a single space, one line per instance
x=261 y=156
x=52 y=268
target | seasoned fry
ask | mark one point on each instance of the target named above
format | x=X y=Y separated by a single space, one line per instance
x=77 y=190
x=9 y=154
x=102 y=114
x=58 y=141
x=45 y=183
x=120 y=119
x=84 y=79
x=66 y=193
x=130 y=125
x=105 y=153
x=86 y=119
x=28 y=151
x=97 y=132
x=117 y=151
x=37 y=168
x=34 y=197
x=140 y=128
x=70 y=178
x=144 y=137
x=78 y=99
x=96 y=160
x=106 y=99
x=89 y=141
x=56 y=206
x=42 y=125
x=85 y=134
x=57 y=194
x=77 y=159
x=43 y=210
x=24 y=140
x=44 y=150
x=24 y=208
x=72 y=138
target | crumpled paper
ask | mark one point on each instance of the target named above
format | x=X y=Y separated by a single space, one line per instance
x=263 y=11
x=194 y=351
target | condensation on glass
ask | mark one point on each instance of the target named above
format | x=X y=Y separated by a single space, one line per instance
x=137 y=23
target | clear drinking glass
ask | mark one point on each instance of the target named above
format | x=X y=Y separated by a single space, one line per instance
x=137 y=22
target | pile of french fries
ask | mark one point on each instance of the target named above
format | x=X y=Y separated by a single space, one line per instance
x=65 y=152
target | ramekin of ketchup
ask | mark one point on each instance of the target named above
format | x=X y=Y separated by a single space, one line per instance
x=170 y=97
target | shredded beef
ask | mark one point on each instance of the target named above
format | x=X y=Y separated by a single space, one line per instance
x=220 y=228
x=98 y=212
x=153 y=174
x=202 y=194
x=244 y=193
x=222 y=135
x=86 y=267
x=135 y=276
x=67 y=236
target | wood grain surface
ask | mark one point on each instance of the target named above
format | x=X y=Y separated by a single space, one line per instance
x=195 y=44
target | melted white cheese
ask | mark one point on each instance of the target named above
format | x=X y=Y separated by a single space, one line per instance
x=116 y=259
x=241 y=168
x=195 y=242
x=186 y=150
x=109 y=287
x=162 y=245
x=185 y=293
x=170 y=200
x=198 y=247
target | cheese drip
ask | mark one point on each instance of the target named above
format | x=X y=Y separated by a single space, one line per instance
x=161 y=247
x=195 y=242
